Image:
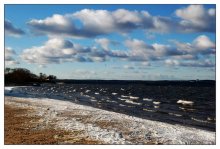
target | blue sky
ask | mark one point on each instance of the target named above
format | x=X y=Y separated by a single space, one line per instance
x=129 y=42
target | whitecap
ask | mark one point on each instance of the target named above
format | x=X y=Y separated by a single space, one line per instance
x=131 y=102
x=112 y=101
x=121 y=105
x=156 y=107
x=87 y=91
x=125 y=96
x=114 y=93
x=156 y=102
x=133 y=97
x=147 y=99
x=185 y=102
x=210 y=119
x=148 y=110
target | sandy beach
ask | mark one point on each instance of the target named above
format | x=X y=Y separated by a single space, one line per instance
x=51 y=121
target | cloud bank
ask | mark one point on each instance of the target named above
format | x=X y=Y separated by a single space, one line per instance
x=58 y=50
x=92 y=23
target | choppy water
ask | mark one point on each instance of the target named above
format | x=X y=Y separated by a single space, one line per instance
x=185 y=105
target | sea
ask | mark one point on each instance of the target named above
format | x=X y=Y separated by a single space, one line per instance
x=190 y=103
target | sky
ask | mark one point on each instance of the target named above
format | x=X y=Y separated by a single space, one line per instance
x=122 y=42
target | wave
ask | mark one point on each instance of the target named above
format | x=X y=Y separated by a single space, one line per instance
x=185 y=102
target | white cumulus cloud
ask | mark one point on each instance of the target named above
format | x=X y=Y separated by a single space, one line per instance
x=89 y=23
x=197 y=18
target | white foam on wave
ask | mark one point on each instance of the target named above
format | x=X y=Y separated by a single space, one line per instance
x=148 y=110
x=174 y=114
x=112 y=101
x=125 y=96
x=121 y=105
x=131 y=102
x=186 y=109
x=96 y=93
x=114 y=93
x=9 y=88
x=210 y=119
x=12 y=90
x=156 y=107
x=133 y=97
x=93 y=100
x=185 y=102
x=198 y=120
x=147 y=99
x=87 y=91
x=130 y=97
x=156 y=102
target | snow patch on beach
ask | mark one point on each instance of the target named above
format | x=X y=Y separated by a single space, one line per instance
x=129 y=129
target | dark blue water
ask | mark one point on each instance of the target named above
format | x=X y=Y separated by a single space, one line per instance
x=189 y=105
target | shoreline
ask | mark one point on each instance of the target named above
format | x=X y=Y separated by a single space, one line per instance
x=104 y=127
x=127 y=100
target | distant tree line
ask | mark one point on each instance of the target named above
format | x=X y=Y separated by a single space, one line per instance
x=22 y=76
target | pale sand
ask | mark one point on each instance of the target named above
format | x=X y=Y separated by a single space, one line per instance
x=109 y=127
